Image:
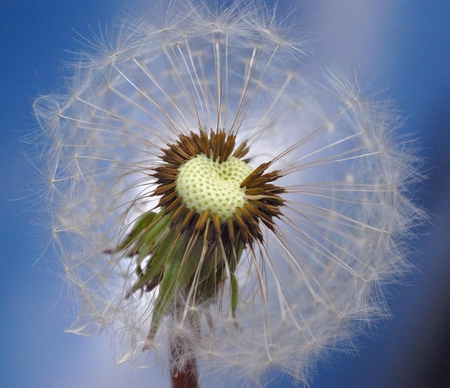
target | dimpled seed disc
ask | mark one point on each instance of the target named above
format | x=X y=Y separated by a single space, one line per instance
x=205 y=184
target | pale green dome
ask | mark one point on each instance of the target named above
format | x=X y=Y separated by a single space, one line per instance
x=205 y=184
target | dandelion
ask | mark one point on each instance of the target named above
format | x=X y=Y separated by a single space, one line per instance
x=215 y=205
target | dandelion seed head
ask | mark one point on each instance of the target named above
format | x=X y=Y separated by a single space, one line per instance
x=211 y=201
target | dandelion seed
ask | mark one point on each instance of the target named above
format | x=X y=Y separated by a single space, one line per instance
x=212 y=202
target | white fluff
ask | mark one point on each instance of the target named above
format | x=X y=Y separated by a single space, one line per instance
x=342 y=234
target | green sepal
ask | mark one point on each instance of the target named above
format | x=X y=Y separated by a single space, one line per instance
x=234 y=294
x=151 y=237
x=191 y=261
x=158 y=250
x=170 y=281
x=209 y=267
x=234 y=286
x=144 y=221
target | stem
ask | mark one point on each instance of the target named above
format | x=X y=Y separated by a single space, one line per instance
x=187 y=377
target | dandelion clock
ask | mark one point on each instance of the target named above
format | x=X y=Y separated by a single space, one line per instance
x=218 y=208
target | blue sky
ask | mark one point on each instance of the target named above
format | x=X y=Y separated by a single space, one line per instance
x=401 y=47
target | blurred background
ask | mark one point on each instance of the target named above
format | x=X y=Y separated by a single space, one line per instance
x=399 y=47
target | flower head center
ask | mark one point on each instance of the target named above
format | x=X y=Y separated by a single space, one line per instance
x=206 y=184
x=204 y=181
